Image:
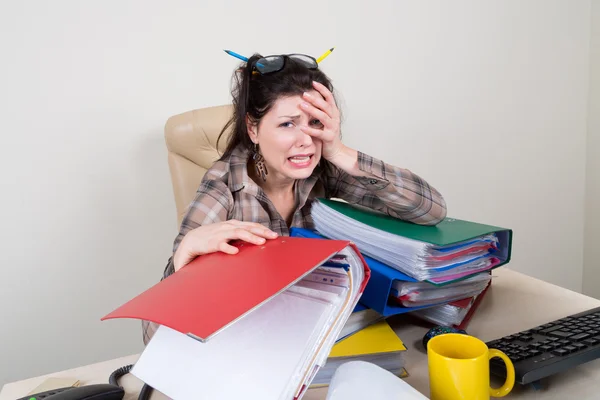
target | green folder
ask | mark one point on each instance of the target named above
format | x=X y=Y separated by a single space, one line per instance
x=448 y=232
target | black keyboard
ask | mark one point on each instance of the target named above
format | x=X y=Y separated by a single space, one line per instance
x=550 y=348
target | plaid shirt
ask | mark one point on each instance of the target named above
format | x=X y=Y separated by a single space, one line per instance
x=227 y=192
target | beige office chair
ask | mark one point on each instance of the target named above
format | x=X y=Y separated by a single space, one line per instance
x=191 y=140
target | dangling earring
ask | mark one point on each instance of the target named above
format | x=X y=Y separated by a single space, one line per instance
x=259 y=164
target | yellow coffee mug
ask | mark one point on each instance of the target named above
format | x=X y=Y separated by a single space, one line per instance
x=459 y=368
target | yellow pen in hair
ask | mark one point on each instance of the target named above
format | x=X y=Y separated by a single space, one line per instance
x=328 y=52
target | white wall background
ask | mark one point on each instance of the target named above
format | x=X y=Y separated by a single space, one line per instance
x=591 y=281
x=486 y=100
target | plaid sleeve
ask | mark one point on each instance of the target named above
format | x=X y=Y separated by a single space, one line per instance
x=211 y=204
x=391 y=190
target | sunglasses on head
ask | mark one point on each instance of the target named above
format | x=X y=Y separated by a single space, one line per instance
x=270 y=64
x=274 y=63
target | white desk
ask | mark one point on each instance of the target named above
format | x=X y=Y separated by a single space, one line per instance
x=515 y=302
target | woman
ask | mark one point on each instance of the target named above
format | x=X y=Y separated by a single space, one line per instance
x=284 y=151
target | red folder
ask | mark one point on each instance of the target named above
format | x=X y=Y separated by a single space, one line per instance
x=216 y=289
x=465 y=322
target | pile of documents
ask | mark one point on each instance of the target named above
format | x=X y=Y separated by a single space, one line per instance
x=278 y=318
x=456 y=314
x=377 y=344
x=452 y=250
x=415 y=294
x=359 y=380
x=437 y=273
x=361 y=317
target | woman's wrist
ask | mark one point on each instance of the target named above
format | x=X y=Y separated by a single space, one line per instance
x=346 y=159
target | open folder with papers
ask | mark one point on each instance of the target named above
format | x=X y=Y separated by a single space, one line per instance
x=450 y=251
x=258 y=324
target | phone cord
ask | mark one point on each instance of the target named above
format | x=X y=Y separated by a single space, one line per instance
x=114 y=380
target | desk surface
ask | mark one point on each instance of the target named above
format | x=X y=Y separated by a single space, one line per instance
x=515 y=302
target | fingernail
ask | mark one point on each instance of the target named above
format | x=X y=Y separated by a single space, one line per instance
x=306 y=94
x=304 y=105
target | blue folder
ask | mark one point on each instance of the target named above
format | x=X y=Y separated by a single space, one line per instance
x=379 y=288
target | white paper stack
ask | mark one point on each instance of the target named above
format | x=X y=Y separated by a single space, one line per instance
x=359 y=380
x=416 y=294
x=392 y=362
x=448 y=314
x=359 y=320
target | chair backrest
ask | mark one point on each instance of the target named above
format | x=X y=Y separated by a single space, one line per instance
x=191 y=139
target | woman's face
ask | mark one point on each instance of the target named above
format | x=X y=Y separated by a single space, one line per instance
x=289 y=153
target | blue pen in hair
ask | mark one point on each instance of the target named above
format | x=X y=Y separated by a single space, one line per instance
x=236 y=55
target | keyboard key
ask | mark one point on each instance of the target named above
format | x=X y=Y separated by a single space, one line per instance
x=535 y=345
x=525 y=354
x=591 y=342
x=546 y=348
x=525 y=338
x=565 y=342
x=561 y=334
x=570 y=349
x=535 y=352
x=560 y=352
x=552 y=328
x=580 y=336
x=552 y=339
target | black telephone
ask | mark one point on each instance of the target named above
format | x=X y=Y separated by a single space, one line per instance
x=101 y=391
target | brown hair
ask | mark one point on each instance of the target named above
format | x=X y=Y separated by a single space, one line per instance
x=254 y=95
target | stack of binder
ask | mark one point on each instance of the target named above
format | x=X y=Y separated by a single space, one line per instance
x=416 y=268
x=450 y=251
x=256 y=325
x=377 y=344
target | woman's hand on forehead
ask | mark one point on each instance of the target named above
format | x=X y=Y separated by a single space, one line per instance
x=324 y=109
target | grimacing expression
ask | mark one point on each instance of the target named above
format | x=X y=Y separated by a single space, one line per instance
x=288 y=152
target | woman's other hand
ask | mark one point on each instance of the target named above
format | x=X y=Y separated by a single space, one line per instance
x=215 y=237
